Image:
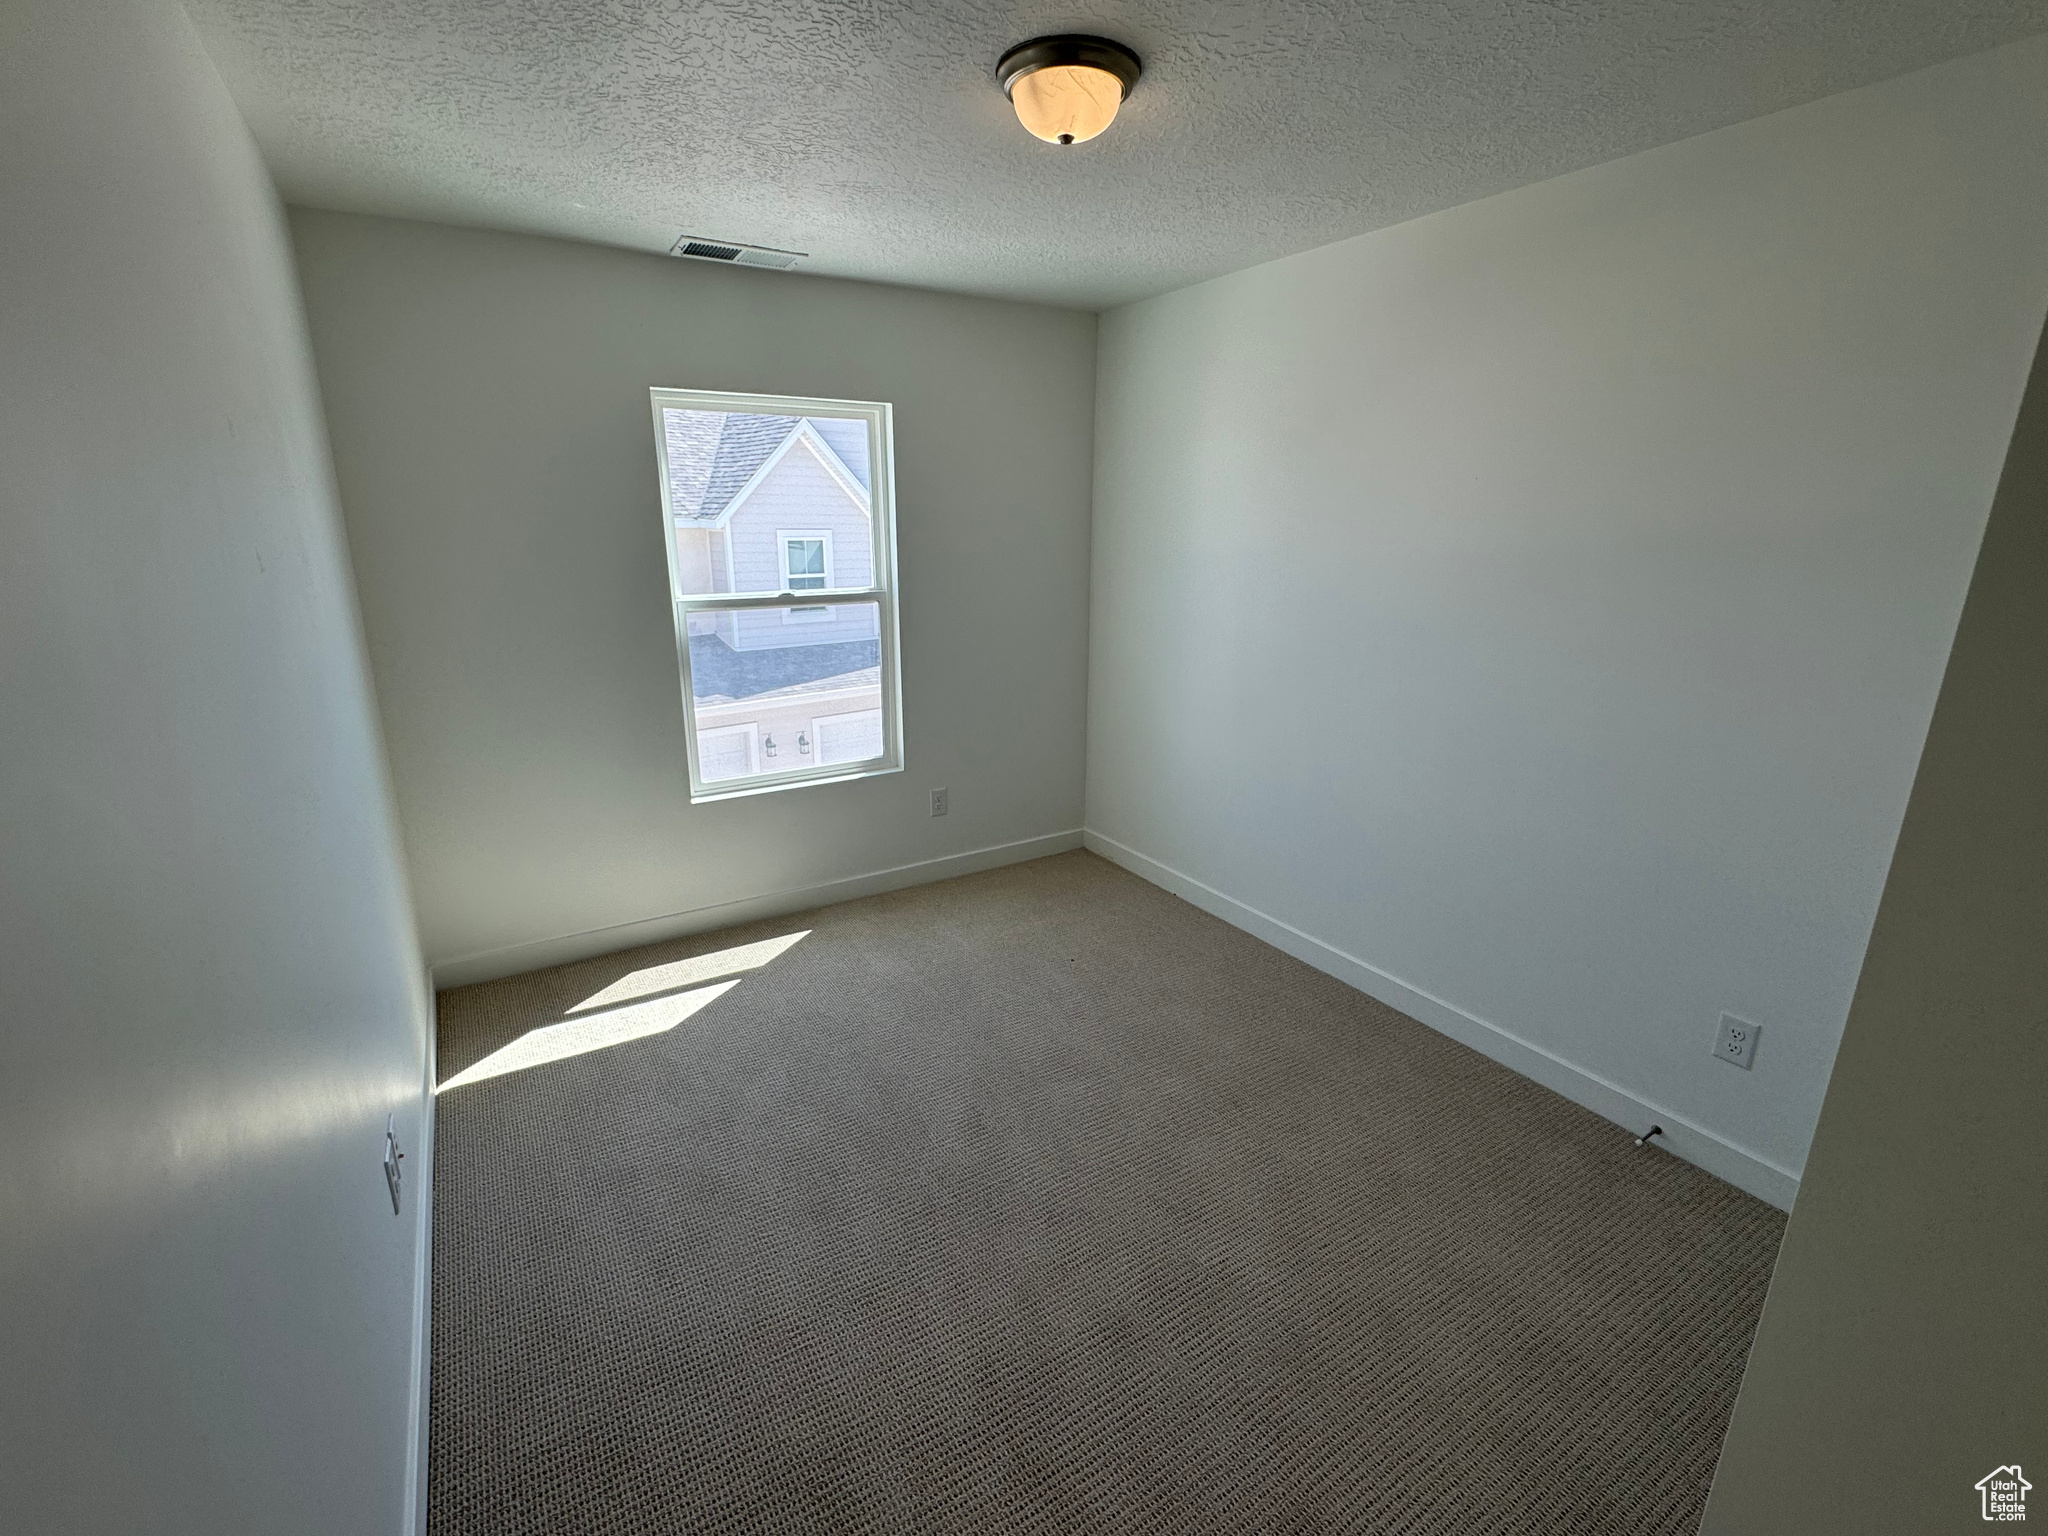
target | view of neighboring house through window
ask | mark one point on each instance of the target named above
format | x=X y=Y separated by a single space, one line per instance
x=765 y=499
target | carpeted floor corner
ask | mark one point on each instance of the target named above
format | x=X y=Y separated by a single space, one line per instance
x=1040 y=1201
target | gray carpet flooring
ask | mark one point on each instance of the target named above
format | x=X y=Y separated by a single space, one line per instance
x=1039 y=1201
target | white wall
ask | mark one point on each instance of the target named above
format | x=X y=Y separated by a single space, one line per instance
x=1578 y=566
x=210 y=996
x=487 y=398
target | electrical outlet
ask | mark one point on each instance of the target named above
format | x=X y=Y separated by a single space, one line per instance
x=1736 y=1044
x=938 y=802
x=392 y=1158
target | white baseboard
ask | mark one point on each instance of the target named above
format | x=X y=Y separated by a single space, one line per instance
x=515 y=959
x=1696 y=1144
x=421 y=1180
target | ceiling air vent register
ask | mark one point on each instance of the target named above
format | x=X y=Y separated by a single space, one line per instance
x=734 y=253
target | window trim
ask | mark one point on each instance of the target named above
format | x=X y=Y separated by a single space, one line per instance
x=880 y=420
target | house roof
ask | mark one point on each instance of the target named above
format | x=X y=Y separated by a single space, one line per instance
x=721 y=675
x=714 y=455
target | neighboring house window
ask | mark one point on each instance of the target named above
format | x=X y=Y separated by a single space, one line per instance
x=763 y=498
x=806 y=567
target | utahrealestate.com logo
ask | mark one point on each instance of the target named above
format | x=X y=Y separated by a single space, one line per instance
x=2005 y=1494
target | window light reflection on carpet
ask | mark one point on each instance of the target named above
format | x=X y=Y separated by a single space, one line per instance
x=591 y=1032
x=678 y=974
x=672 y=993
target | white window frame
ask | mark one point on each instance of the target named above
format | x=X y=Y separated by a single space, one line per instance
x=783 y=538
x=882 y=521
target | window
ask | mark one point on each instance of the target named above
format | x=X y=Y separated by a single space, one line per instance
x=766 y=499
x=806 y=567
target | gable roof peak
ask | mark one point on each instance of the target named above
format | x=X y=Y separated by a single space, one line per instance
x=712 y=455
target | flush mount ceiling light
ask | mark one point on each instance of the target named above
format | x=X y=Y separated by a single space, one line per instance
x=1066 y=89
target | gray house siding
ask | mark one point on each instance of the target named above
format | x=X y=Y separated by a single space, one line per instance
x=712 y=456
x=800 y=495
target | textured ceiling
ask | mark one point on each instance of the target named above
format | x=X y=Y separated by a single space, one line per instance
x=870 y=133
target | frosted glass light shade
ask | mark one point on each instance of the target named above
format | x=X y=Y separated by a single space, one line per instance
x=1067 y=89
x=1067 y=103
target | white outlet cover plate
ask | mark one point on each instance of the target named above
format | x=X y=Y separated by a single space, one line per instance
x=1736 y=1042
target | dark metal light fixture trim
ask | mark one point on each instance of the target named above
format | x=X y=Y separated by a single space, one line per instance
x=1069 y=48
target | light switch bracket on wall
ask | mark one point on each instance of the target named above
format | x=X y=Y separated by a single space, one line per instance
x=392 y=1158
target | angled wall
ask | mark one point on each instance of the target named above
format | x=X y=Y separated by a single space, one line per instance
x=1904 y=1347
x=210 y=998
x=1533 y=612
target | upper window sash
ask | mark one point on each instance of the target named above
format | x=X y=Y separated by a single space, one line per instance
x=875 y=499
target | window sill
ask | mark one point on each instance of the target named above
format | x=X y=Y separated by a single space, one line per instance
x=801 y=778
